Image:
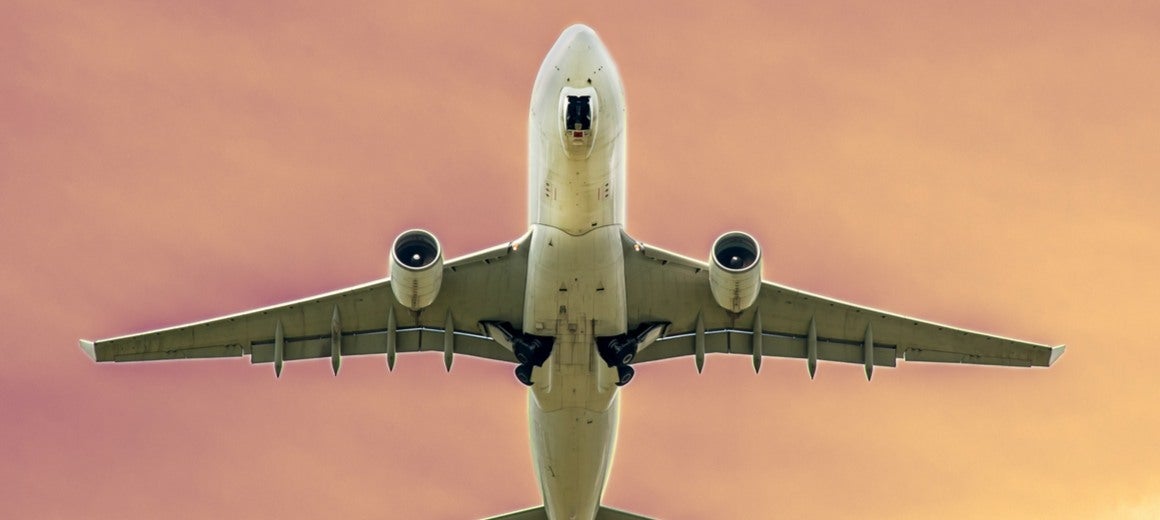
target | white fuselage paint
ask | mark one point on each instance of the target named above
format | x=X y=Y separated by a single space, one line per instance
x=575 y=285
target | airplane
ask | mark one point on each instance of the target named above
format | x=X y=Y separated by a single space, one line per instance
x=575 y=303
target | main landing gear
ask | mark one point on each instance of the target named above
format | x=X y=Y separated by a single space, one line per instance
x=619 y=351
x=530 y=350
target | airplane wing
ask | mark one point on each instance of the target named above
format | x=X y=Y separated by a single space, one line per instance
x=365 y=319
x=666 y=287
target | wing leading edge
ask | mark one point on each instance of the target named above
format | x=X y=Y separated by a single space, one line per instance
x=786 y=322
x=365 y=319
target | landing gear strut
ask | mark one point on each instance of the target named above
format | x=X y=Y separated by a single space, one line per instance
x=530 y=350
x=619 y=351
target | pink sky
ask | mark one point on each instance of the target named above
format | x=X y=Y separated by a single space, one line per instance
x=992 y=166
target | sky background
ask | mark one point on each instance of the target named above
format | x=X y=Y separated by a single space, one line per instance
x=993 y=165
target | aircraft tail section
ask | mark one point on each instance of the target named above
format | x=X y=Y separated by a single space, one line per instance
x=540 y=513
x=608 y=513
x=535 y=513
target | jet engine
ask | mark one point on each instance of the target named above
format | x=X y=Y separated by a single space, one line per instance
x=735 y=271
x=416 y=268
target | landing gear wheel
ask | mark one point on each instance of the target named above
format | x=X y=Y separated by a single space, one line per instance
x=617 y=350
x=524 y=352
x=624 y=351
x=624 y=374
x=531 y=350
x=524 y=373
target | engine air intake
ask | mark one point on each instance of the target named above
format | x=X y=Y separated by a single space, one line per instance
x=416 y=249
x=735 y=271
x=416 y=269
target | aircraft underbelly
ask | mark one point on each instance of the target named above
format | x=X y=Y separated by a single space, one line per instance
x=575 y=289
x=575 y=283
x=575 y=293
x=572 y=452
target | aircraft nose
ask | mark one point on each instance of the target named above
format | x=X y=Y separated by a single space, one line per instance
x=579 y=35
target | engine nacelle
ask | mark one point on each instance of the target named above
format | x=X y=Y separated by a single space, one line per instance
x=416 y=268
x=735 y=271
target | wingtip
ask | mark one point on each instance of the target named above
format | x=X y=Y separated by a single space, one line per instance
x=89 y=349
x=1056 y=352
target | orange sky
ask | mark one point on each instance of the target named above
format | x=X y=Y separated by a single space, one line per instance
x=992 y=166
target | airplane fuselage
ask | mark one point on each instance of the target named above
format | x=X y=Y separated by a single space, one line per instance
x=565 y=326
x=575 y=285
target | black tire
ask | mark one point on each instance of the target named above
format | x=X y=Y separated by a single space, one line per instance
x=524 y=373
x=540 y=352
x=525 y=352
x=604 y=348
x=624 y=374
x=621 y=351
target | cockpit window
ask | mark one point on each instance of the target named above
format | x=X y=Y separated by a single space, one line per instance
x=579 y=113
